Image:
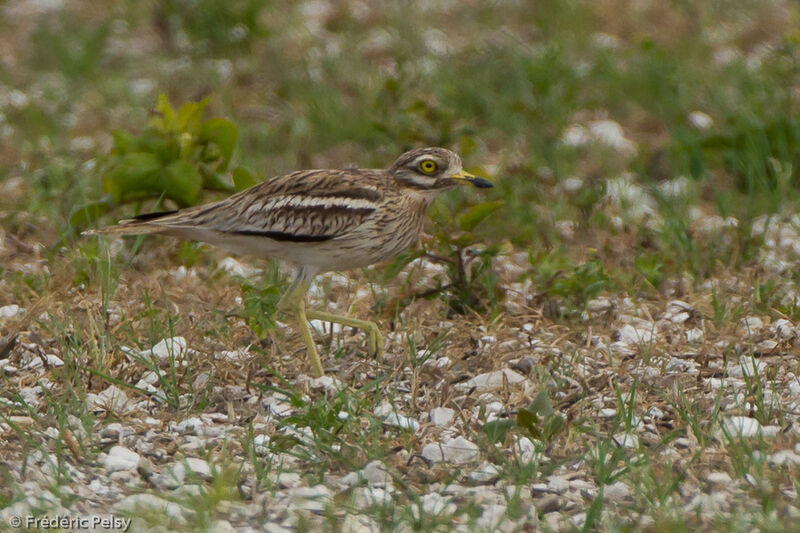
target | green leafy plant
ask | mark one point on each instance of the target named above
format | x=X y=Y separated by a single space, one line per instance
x=539 y=420
x=759 y=152
x=212 y=26
x=471 y=283
x=566 y=287
x=260 y=300
x=177 y=157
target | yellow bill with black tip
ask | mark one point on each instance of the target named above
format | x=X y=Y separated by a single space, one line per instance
x=472 y=179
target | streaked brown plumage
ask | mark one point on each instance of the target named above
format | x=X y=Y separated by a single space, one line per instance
x=320 y=220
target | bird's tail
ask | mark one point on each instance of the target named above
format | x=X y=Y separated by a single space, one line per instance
x=138 y=225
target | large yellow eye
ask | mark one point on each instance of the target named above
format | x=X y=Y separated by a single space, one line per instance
x=428 y=166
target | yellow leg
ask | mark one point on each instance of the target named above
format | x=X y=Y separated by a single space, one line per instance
x=371 y=328
x=293 y=302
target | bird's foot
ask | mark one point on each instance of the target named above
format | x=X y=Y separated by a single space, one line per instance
x=374 y=337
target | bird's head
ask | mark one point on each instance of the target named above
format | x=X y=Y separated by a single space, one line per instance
x=434 y=170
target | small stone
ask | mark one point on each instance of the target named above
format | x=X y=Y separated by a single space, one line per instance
x=493 y=518
x=122 y=477
x=200 y=381
x=749 y=325
x=598 y=305
x=487 y=473
x=376 y=473
x=741 y=426
x=683 y=442
x=622 y=349
x=198 y=467
x=164 y=349
x=384 y=408
x=172 y=477
x=680 y=318
x=578 y=520
x=491 y=381
x=525 y=449
x=286 y=480
x=494 y=407
x=111 y=399
x=239 y=355
x=718 y=478
x=148 y=378
x=314 y=499
x=525 y=365
x=694 y=335
x=10 y=311
x=783 y=329
x=222 y=526
x=676 y=365
x=271 y=527
x=617 y=492
x=784 y=458
x=557 y=484
x=53 y=360
x=150 y=503
x=401 y=421
x=766 y=346
x=120 y=458
x=359 y=523
x=745 y=367
x=549 y=503
x=115 y=431
x=634 y=336
x=676 y=306
x=7 y=368
x=364 y=497
x=607 y=412
x=581 y=484
x=191 y=426
x=441 y=362
x=441 y=416
x=326 y=383
x=626 y=440
x=235 y=268
x=261 y=444
x=457 y=451
x=700 y=120
x=435 y=504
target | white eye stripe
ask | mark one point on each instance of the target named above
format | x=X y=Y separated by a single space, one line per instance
x=420 y=180
x=422 y=158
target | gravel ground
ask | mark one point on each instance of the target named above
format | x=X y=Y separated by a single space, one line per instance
x=636 y=381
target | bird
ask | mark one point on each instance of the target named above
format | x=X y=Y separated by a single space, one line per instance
x=319 y=220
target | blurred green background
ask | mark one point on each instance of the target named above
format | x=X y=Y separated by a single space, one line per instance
x=644 y=137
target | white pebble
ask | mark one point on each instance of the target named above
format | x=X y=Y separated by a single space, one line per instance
x=457 y=451
x=120 y=458
x=631 y=335
x=401 y=421
x=10 y=311
x=491 y=381
x=163 y=349
x=694 y=335
x=741 y=426
x=441 y=416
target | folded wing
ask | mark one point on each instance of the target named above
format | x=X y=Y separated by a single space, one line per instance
x=304 y=206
